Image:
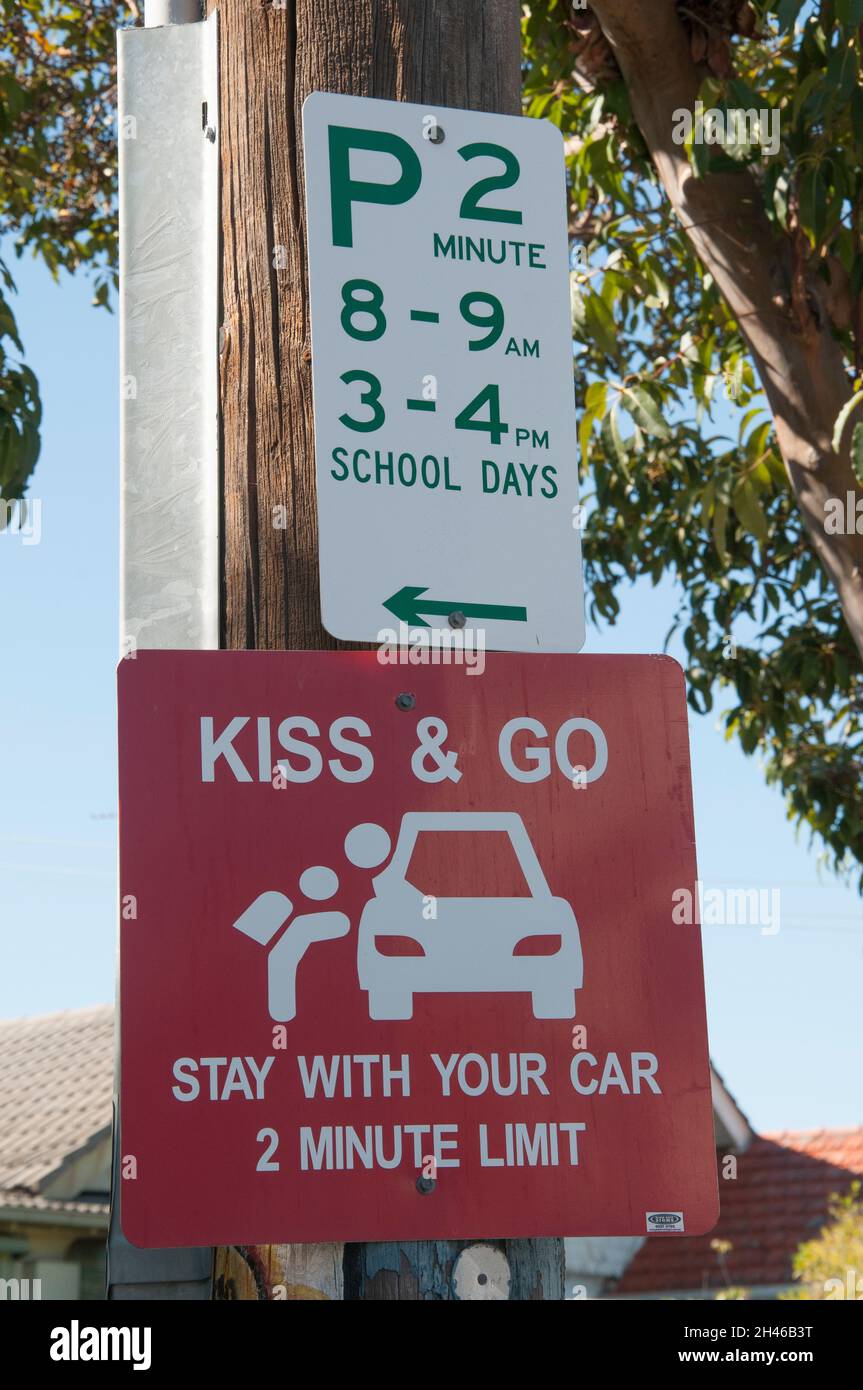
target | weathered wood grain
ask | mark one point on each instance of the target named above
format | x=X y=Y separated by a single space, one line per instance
x=450 y=52
x=462 y=53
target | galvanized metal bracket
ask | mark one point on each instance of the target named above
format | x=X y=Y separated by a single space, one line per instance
x=169 y=306
x=168 y=97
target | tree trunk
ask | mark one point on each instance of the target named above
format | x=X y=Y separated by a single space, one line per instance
x=463 y=53
x=786 y=325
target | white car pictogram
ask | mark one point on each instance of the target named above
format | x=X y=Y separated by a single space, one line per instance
x=470 y=945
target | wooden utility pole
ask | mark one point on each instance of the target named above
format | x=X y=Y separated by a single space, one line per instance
x=461 y=53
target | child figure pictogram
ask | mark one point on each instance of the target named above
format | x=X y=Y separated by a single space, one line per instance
x=366 y=846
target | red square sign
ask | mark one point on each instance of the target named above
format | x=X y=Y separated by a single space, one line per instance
x=398 y=950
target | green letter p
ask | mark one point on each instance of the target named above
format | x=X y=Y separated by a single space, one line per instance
x=345 y=191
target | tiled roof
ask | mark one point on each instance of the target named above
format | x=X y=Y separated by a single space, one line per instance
x=779 y=1199
x=76 y=1206
x=56 y=1083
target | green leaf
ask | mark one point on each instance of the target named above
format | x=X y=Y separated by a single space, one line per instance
x=595 y=408
x=13 y=96
x=849 y=13
x=613 y=441
x=595 y=397
x=787 y=13
x=757 y=441
x=600 y=324
x=662 y=287
x=720 y=522
x=803 y=90
x=741 y=97
x=842 y=419
x=857 y=117
x=645 y=412
x=857 y=452
x=747 y=421
x=576 y=301
x=842 y=73
x=813 y=202
x=748 y=508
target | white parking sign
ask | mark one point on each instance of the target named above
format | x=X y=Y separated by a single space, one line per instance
x=443 y=381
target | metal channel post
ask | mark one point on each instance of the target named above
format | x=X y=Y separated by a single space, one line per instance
x=169 y=294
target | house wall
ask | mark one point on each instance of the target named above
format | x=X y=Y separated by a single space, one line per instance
x=90 y=1172
x=595 y=1263
x=67 y=1259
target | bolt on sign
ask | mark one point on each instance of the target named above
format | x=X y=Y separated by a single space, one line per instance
x=443 y=375
x=400 y=961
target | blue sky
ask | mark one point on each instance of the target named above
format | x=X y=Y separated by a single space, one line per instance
x=783 y=1009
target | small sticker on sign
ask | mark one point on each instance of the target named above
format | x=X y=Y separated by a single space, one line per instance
x=659 y=1222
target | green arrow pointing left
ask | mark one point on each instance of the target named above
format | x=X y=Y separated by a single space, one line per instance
x=407 y=604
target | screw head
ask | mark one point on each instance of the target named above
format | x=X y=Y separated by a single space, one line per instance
x=436 y=135
x=457 y=619
x=425 y=1185
x=406 y=700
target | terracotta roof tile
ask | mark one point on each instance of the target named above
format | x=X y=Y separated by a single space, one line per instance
x=779 y=1198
